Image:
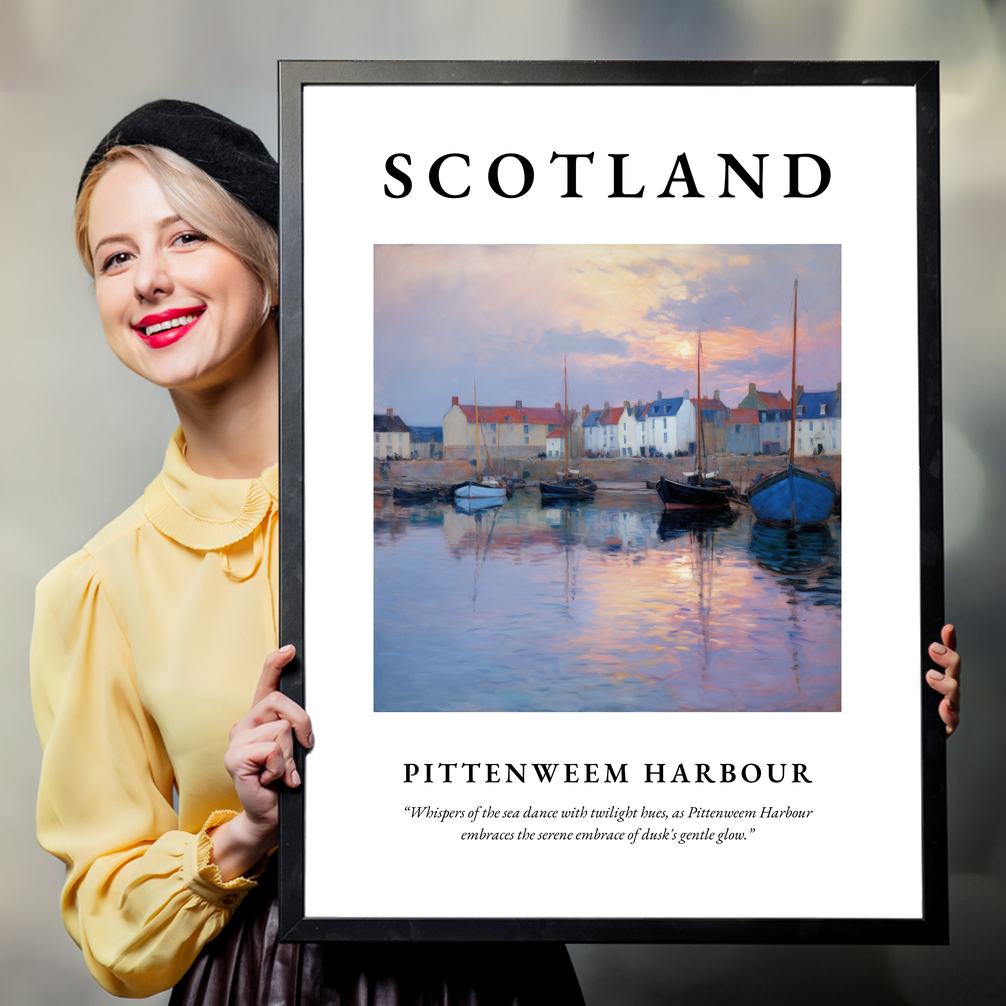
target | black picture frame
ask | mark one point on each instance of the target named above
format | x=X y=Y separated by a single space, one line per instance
x=931 y=927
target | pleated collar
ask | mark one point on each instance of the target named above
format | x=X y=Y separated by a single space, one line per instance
x=203 y=513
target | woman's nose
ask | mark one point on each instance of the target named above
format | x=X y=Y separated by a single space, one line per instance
x=152 y=277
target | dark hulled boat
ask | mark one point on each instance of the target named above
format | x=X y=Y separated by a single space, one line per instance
x=572 y=489
x=701 y=496
x=700 y=491
x=437 y=493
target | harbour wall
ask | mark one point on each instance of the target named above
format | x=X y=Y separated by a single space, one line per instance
x=740 y=468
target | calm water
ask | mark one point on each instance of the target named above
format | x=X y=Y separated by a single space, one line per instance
x=608 y=605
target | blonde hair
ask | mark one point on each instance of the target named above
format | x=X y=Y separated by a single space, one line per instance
x=199 y=200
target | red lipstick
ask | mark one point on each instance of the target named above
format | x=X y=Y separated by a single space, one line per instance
x=165 y=324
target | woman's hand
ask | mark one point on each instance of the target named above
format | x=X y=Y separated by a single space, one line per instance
x=260 y=754
x=947 y=681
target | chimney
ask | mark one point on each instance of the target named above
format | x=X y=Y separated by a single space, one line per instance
x=716 y=395
x=454 y=400
x=520 y=404
x=685 y=395
x=558 y=407
x=391 y=412
x=838 y=390
x=660 y=395
x=585 y=412
x=751 y=389
x=626 y=404
x=606 y=406
x=799 y=392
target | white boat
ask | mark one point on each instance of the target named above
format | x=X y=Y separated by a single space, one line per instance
x=482 y=486
x=479 y=490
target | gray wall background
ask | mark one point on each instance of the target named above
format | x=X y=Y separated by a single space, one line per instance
x=82 y=436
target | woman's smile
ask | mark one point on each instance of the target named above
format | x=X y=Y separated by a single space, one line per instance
x=167 y=327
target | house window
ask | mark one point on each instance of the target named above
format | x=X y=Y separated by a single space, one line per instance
x=492 y=426
x=644 y=438
x=399 y=438
x=665 y=425
x=525 y=440
x=799 y=444
x=665 y=438
x=623 y=426
x=777 y=431
x=810 y=426
x=799 y=427
x=799 y=410
x=623 y=438
x=549 y=453
x=525 y=430
x=832 y=443
x=389 y=438
x=494 y=441
x=737 y=428
x=824 y=410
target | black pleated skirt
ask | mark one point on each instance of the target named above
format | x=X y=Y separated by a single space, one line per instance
x=246 y=965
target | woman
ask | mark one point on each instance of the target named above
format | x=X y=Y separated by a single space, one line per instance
x=149 y=642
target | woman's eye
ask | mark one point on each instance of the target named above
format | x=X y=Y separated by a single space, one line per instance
x=190 y=238
x=114 y=261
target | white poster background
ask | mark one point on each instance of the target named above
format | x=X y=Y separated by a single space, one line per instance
x=859 y=854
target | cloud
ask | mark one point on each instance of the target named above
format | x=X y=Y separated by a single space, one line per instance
x=625 y=318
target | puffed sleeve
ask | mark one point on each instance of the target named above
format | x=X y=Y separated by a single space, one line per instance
x=141 y=897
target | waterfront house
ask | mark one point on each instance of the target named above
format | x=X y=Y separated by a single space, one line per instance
x=818 y=421
x=714 y=424
x=591 y=424
x=555 y=444
x=611 y=433
x=774 y=430
x=391 y=436
x=763 y=400
x=743 y=432
x=512 y=431
x=671 y=424
x=427 y=441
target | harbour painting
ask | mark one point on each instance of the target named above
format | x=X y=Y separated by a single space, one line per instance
x=607 y=478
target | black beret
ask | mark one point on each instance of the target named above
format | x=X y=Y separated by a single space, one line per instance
x=230 y=154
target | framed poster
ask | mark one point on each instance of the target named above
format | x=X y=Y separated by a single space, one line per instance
x=552 y=701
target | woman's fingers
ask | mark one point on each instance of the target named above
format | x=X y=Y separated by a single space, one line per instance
x=272 y=668
x=946 y=681
x=949 y=636
x=277 y=706
x=274 y=735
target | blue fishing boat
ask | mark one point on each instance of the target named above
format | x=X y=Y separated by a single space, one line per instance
x=794 y=497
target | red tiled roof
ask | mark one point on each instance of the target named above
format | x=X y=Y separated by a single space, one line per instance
x=613 y=416
x=509 y=414
x=749 y=416
x=774 y=399
x=556 y=433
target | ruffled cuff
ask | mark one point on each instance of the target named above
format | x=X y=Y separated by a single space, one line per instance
x=203 y=878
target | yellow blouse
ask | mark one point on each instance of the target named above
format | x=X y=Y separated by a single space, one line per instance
x=147 y=647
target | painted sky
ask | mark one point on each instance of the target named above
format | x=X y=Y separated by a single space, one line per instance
x=624 y=316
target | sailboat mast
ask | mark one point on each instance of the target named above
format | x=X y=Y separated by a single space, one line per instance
x=478 y=446
x=565 y=410
x=699 y=444
x=792 y=394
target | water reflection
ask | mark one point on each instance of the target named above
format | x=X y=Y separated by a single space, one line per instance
x=605 y=605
